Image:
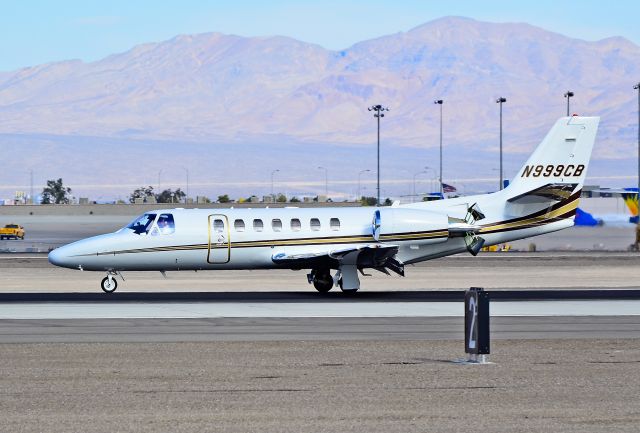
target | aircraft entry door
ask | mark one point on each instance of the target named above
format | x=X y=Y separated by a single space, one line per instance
x=219 y=250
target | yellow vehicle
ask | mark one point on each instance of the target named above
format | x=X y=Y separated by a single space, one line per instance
x=500 y=247
x=12 y=231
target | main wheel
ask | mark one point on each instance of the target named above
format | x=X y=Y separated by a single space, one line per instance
x=109 y=286
x=322 y=281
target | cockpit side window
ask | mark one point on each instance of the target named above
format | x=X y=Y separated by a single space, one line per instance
x=166 y=224
x=142 y=224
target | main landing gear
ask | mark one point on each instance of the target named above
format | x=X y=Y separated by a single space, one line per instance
x=109 y=283
x=323 y=281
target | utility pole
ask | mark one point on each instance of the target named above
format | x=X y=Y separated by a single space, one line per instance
x=413 y=197
x=500 y=101
x=637 y=87
x=359 y=175
x=186 y=199
x=378 y=114
x=568 y=95
x=326 y=181
x=273 y=173
x=31 y=199
x=440 y=102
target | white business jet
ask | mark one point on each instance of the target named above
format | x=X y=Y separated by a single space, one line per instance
x=337 y=243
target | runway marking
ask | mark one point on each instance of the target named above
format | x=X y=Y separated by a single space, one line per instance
x=180 y=310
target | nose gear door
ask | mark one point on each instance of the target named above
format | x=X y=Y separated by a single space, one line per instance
x=219 y=250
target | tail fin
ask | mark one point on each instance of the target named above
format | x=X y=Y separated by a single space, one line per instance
x=559 y=164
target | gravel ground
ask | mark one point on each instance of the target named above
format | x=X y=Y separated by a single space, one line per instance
x=374 y=386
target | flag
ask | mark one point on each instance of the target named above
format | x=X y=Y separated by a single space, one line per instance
x=448 y=188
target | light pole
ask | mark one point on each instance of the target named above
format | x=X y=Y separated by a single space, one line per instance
x=637 y=87
x=187 y=196
x=159 y=174
x=378 y=114
x=500 y=101
x=568 y=95
x=440 y=102
x=359 y=175
x=326 y=181
x=31 y=201
x=414 y=182
x=433 y=179
x=272 y=174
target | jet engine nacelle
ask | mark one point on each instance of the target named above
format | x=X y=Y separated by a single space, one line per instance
x=401 y=224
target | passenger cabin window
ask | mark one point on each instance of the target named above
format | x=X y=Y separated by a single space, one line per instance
x=258 y=225
x=276 y=225
x=315 y=224
x=296 y=225
x=166 y=225
x=142 y=224
x=218 y=225
x=334 y=223
x=238 y=225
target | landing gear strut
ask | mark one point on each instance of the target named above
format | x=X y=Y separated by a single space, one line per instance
x=321 y=279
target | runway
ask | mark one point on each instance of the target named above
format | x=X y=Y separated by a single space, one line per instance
x=160 y=310
x=259 y=316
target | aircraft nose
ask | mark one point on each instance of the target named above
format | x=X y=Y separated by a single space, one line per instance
x=60 y=257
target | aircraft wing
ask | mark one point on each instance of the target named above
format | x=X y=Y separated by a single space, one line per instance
x=377 y=256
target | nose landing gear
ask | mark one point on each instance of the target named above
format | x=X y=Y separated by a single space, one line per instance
x=109 y=283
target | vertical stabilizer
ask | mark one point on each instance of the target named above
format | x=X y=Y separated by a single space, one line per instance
x=562 y=158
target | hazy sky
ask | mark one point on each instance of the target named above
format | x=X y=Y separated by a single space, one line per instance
x=40 y=31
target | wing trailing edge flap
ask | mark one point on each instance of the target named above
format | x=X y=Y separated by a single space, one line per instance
x=376 y=256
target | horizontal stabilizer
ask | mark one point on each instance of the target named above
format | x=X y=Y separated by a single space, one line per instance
x=546 y=193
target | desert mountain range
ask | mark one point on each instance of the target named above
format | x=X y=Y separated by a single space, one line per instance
x=233 y=108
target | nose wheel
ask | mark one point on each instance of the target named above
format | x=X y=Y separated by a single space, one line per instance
x=109 y=284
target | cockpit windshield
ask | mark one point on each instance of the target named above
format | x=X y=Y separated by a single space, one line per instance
x=166 y=224
x=142 y=224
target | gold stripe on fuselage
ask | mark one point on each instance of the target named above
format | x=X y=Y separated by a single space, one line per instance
x=290 y=242
x=534 y=221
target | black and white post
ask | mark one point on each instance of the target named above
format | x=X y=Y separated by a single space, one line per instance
x=476 y=325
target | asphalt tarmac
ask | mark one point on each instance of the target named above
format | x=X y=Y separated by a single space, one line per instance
x=264 y=329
